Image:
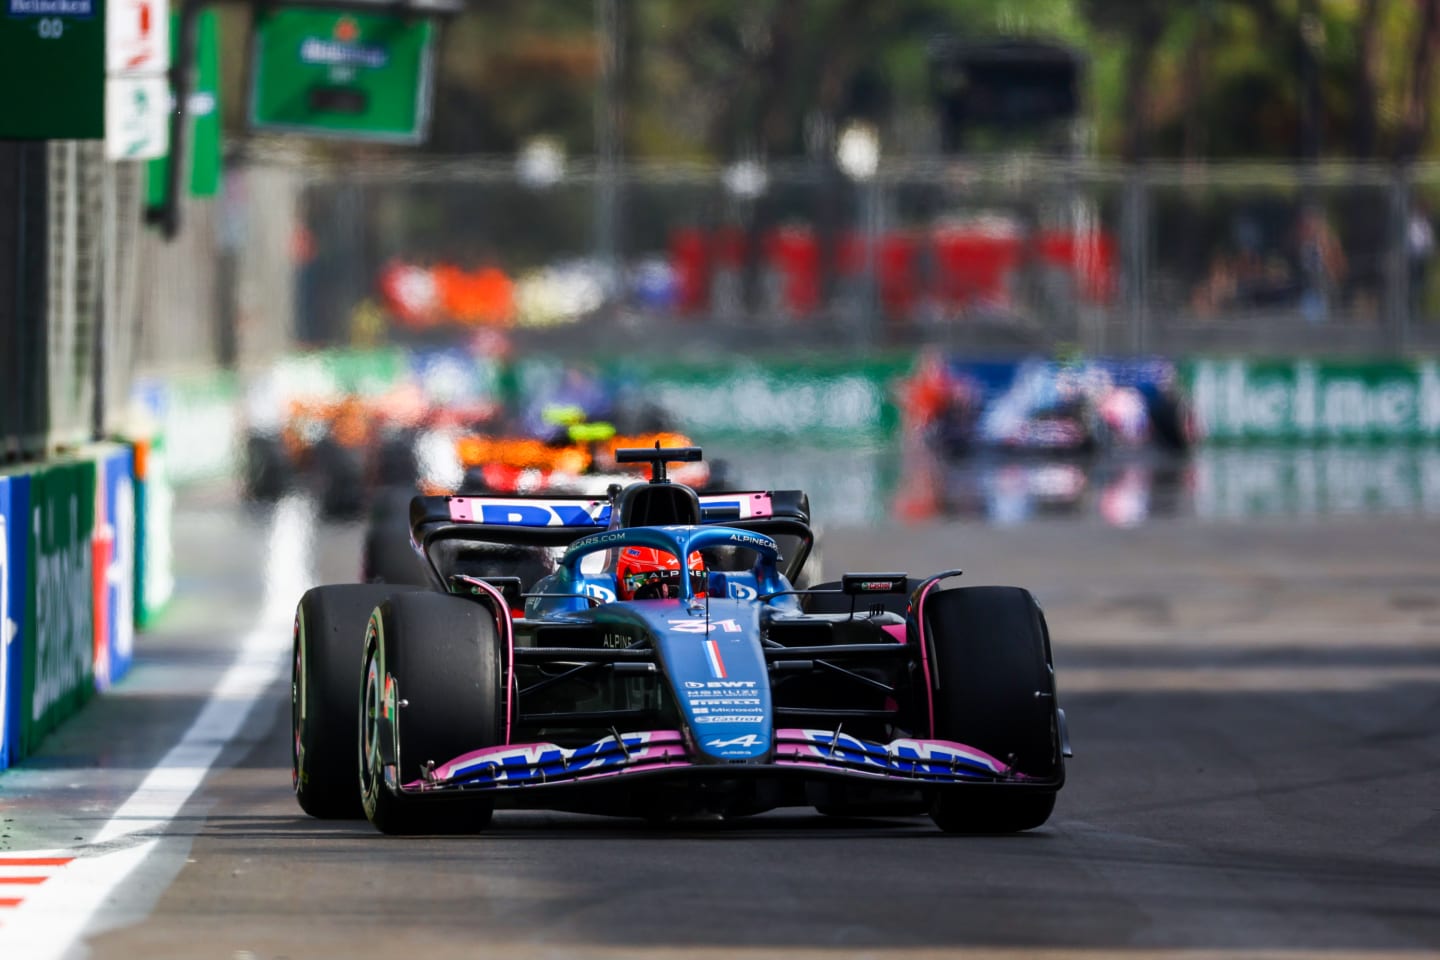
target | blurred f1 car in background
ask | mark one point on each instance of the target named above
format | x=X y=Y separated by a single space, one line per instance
x=1006 y=440
x=1044 y=409
x=439 y=424
x=341 y=425
x=648 y=655
x=559 y=451
x=345 y=447
x=584 y=463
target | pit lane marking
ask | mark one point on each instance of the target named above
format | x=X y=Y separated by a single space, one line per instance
x=48 y=923
x=21 y=873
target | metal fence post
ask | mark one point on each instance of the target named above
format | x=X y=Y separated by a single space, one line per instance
x=32 y=266
x=1133 y=256
x=608 y=138
x=1399 y=303
x=11 y=331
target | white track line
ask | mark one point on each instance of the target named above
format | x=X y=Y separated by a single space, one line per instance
x=48 y=924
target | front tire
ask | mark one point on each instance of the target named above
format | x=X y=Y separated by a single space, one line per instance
x=996 y=693
x=324 y=696
x=433 y=689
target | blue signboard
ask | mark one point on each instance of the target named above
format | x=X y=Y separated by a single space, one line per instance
x=84 y=9
x=14 y=503
x=114 y=541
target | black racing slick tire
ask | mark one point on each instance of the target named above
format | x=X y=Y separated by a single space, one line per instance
x=340 y=479
x=324 y=697
x=995 y=692
x=387 y=556
x=266 y=471
x=434 y=688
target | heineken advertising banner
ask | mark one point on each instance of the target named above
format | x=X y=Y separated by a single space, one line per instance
x=58 y=646
x=777 y=399
x=360 y=76
x=13 y=502
x=1315 y=400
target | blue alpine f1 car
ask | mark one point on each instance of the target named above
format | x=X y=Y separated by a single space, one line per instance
x=648 y=654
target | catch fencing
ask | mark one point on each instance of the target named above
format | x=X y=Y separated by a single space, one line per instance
x=1000 y=254
x=69 y=222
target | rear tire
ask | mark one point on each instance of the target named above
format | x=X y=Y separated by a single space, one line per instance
x=266 y=472
x=432 y=665
x=341 y=479
x=387 y=555
x=996 y=693
x=324 y=697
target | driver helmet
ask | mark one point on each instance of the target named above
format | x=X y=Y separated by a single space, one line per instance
x=645 y=573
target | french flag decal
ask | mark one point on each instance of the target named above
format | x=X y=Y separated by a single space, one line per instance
x=717 y=665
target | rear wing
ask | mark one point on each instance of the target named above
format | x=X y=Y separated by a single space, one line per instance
x=557 y=521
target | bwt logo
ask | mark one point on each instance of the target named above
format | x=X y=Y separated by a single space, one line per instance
x=740 y=591
x=603 y=594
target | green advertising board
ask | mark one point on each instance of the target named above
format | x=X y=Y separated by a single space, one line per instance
x=366 y=372
x=204 y=115
x=154 y=551
x=353 y=75
x=825 y=399
x=59 y=649
x=52 y=69
x=1319 y=400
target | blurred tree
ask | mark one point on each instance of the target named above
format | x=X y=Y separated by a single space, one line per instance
x=707 y=78
x=1415 y=124
x=514 y=69
x=716 y=79
x=1268 y=78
